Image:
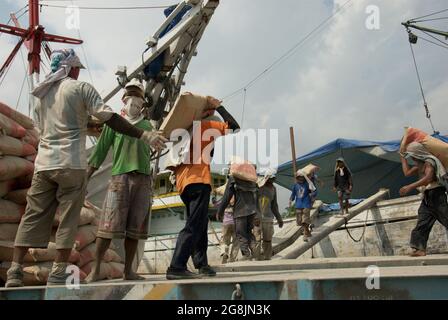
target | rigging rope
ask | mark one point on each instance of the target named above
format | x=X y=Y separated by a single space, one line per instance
x=1 y=33
x=84 y=53
x=3 y=76
x=434 y=43
x=26 y=68
x=107 y=8
x=437 y=39
x=21 y=90
x=428 y=15
x=426 y=20
x=425 y=104
x=288 y=53
x=363 y=231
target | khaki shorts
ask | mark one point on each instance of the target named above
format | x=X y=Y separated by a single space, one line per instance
x=126 y=207
x=61 y=189
x=303 y=216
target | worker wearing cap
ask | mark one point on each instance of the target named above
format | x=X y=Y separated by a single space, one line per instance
x=62 y=111
x=128 y=199
x=264 y=231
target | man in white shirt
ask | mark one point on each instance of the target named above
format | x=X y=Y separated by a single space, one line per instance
x=60 y=178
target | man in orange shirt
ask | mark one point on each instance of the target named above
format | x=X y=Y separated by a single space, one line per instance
x=193 y=181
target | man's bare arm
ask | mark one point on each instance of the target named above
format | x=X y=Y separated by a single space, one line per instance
x=427 y=178
x=407 y=170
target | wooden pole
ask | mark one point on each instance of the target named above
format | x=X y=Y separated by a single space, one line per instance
x=300 y=247
x=293 y=153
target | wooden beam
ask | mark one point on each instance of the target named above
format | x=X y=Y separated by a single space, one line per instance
x=300 y=247
x=293 y=153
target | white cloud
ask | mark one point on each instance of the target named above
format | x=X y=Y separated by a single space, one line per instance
x=345 y=82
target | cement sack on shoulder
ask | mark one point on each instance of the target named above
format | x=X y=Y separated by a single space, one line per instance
x=244 y=171
x=15 y=115
x=187 y=108
x=10 y=146
x=31 y=137
x=309 y=169
x=438 y=148
x=12 y=167
x=8 y=231
x=411 y=135
x=17 y=196
x=85 y=236
x=10 y=212
x=11 y=128
x=6 y=187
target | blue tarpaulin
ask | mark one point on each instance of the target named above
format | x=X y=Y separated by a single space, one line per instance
x=374 y=165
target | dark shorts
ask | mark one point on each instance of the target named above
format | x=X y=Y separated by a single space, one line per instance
x=126 y=207
x=344 y=194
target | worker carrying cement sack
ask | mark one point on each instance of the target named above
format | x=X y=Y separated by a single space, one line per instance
x=245 y=212
x=264 y=230
x=188 y=107
x=243 y=170
x=433 y=183
x=127 y=204
x=301 y=195
x=193 y=181
x=63 y=107
x=435 y=146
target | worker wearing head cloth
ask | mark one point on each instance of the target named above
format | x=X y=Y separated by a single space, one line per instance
x=433 y=182
x=62 y=111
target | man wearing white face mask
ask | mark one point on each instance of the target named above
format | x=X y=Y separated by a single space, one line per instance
x=126 y=207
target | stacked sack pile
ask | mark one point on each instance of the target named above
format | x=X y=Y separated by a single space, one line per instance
x=112 y=266
x=18 y=150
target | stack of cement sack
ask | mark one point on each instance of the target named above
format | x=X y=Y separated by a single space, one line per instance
x=18 y=145
x=111 y=266
x=38 y=262
x=18 y=148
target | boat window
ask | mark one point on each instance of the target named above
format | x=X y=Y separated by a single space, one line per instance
x=162 y=186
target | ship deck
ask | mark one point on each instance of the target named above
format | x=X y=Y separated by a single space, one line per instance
x=400 y=277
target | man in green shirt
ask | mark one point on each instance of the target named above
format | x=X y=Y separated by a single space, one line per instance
x=126 y=207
